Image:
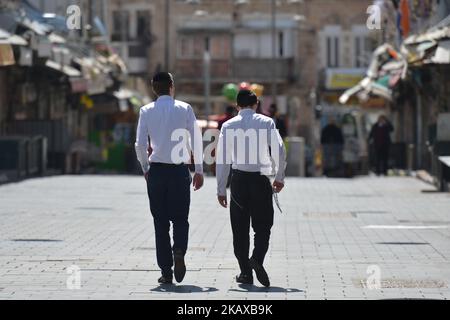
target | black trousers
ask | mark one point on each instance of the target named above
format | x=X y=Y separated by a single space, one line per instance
x=251 y=202
x=382 y=160
x=168 y=189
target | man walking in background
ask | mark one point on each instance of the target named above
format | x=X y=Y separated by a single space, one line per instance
x=280 y=122
x=332 y=141
x=251 y=190
x=168 y=179
x=380 y=136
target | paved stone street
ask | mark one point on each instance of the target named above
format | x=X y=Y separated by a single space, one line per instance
x=332 y=232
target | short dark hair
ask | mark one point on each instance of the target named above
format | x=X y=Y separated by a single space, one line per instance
x=161 y=83
x=229 y=110
x=246 y=98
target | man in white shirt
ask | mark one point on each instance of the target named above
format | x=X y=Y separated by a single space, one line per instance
x=252 y=145
x=171 y=127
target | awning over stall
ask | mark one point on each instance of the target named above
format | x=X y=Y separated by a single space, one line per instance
x=65 y=69
x=430 y=47
x=12 y=39
x=386 y=69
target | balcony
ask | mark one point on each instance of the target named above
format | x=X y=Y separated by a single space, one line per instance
x=245 y=69
x=261 y=69
x=192 y=69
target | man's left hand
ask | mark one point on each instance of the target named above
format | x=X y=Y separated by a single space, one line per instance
x=223 y=201
x=278 y=186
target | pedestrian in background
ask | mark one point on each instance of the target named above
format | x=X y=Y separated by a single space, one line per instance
x=332 y=141
x=280 y=122
x=380 y=137
x=169 y=180
x=229 y=113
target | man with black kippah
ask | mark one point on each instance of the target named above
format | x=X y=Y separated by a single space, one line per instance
x=251 y=143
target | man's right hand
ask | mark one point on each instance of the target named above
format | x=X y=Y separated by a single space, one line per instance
x=146 y=176
x=223 y=201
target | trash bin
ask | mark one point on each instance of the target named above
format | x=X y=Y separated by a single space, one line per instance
x=32 y=156
x=296 y=157
x=37 y=155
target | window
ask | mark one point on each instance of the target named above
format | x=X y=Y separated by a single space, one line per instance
x=185 y=47
x=220 y=47
x=137 y=51
x=143 y=25
x=259 y=44
x=191 y=46
x=281 y=43
x=363 y=46
x=332 y=51
x=199 y=46
x=363 y=49
x=358 y=63
x=332 y=39
x=121 y=21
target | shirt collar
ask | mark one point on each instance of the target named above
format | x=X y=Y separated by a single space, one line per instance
x=246 y=111
x=164 y=98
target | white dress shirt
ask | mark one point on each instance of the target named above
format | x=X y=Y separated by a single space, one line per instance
x=158 y=121
x=249 y=155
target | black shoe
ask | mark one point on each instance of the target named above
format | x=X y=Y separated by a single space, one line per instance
x=180 y=266
x=261 y=274
x=165 y=280
x=244 y=279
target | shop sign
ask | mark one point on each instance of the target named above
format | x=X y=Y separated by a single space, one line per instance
x=6 y=55
x=341 y=79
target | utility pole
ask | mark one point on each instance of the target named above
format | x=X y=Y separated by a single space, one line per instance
x=234 y=18
x=85 y=14
x=167 y=32
x=91 y=14
x=274 y=50
x=419 y=129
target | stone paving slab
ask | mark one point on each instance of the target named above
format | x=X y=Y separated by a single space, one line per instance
x=331 y=231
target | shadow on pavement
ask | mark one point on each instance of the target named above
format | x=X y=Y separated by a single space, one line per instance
x=252 y=288
x=183 y=289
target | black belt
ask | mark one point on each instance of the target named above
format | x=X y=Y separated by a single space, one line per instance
x=246 y=173
x=166 y=165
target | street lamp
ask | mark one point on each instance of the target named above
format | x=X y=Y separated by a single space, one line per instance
x=298 y=18
x=274 y=50
x=207 y=79
x=234 y=22
x=206 y=63
x=167 y=31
